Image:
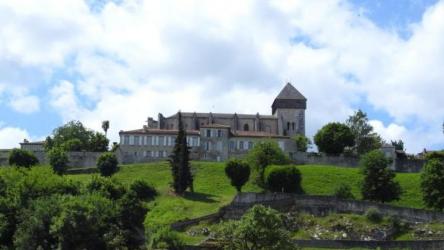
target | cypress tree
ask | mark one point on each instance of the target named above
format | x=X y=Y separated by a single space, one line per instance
x=180 y=162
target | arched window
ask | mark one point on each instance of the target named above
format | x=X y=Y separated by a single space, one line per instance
x=292 y=125
x=246 y=127
x=288 y=125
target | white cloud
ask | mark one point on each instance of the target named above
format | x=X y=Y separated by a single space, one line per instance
x=25 y=103
x=138 y=58
x=10 y=137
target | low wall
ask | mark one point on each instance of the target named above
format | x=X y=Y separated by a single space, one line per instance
x=76 y=159
x=409 y=165
x=344 y=244
x=323 y=205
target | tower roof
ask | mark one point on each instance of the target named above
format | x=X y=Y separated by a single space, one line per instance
x=289 y=98
x=290 y=92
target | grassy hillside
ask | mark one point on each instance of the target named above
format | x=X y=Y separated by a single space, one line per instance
x=213 y=190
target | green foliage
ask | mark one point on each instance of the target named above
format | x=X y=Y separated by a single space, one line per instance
x=283 y=179
x=105 y=126
x=379 y=183
x=260 y=228
x=73 y=136
x=22 y=158
x=107 y=164
x=143 y=190
x=263 y=154
x=399 y=145
x=437 y=155
x=164 y=238
x=131 y=213
x=58 y=159
x=107 y=187
x=365 y=139
x=302 y=142
x=333 y=138
x=180 y=162
x=238 y=171
x=372 y=214
x=343 y=191
x=432 y=184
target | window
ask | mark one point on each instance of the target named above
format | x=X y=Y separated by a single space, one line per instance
x=219 y=145
x=219 y=133
x=126 y=140
x=281 y=144
x=292 y=125
x=250 y=145
x=288 y=125
x=241 y=145
x=131 y=140
x=246 y=127
x=232 y=145
x=136 y=140
x=148 y=153
x=162 y=140
x=208 y=132
x=156 y=140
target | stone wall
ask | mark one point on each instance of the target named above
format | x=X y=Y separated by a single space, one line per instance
x=76 y=159
x=323 y=205
x=409 y=165
x=346 y=244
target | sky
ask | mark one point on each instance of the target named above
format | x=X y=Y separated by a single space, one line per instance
x=126 y=60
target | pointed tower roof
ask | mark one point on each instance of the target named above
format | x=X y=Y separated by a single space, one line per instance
x=289 y=98
x=290 y=92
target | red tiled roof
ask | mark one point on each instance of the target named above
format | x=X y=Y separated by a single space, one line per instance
x=256 y=134
x=158 y=131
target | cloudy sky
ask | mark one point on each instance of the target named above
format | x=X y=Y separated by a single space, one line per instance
x=125 y=60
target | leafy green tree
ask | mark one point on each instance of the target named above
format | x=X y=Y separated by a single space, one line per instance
x=238 y=171
x=98 y=142
x=22 y=158
x=432 y=184
x=333 y=138
x=365 y=139
x=143 y=190
x=180 y=162
x=58 y=159
x=131 y=216
x=263 y=154
x=260 y=228
x=285 y=179
x=399 y=145
x=302 y=142
x=107 y=187
x=107 y=164
x=379 y=181
x=164 y=238
x=105 y=126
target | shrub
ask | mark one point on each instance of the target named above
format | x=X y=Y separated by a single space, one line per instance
x=333 y=138
x=283 y=179
x=302 y=143
x=259 y=228
x=379 y=181
x=143 y=190
x=58 y=159
x=107 y=187
x=372 y=214
x=238 y=171
x=22 y=158
x=343 y=191
x=107 y=164
x=432 y=184
x=164 y=238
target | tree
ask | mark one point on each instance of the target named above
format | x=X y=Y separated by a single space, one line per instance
x=107 y=164
x=333 y=138
x=73 y=136
x=22 y=158
x=105 y=126
x=263 y=154
x=399 y=145
x=365 y=139
x=379 y=181
x=343 y=191
x=58 y=159
x=432 y=184
x=238 y=171
x=285 y=179
x=179 y=162
x=143 y=190
x=302 y=142
x=260 y=228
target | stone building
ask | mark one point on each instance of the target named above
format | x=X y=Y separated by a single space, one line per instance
x=218 y=136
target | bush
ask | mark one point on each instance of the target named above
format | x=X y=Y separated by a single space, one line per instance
x=107 y=187
x=238 y=171
x=58 y=159
x=302 y=143
x=107 y=164
x=143 y=190
x=22 y=158
x=283 y=179
x=164 y=238
x=333 y=138
x=379 y=181
x=263 y=154
x=432 y=184
x=343 y=191
x=372 y=214
x=260 y=228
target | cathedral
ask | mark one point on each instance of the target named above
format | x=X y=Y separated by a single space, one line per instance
x=219 y=136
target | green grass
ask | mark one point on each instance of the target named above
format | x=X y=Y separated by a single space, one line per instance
x=213 y=190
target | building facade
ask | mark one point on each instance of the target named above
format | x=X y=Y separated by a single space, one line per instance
x=218 y=136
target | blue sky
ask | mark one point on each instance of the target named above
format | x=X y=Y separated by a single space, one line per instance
x=125 y=60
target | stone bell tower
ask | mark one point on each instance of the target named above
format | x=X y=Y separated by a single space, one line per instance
x=289 y=107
